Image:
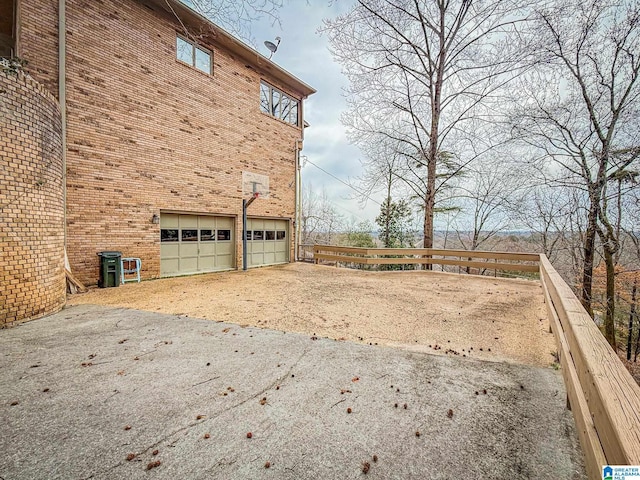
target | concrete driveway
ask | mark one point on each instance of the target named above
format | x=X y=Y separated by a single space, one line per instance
x=110 y=393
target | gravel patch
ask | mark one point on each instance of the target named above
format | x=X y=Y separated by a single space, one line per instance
x=487 y=318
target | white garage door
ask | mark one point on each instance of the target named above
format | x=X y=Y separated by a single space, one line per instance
x=195 y=244
x=267 y=242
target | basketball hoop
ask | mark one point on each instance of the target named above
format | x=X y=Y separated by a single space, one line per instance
x=256 y=194
x=254 y=182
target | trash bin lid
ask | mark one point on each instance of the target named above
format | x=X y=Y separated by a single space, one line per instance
x=110 y=254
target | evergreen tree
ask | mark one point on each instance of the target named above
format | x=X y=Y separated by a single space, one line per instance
x=394 y=221
x=360 y=236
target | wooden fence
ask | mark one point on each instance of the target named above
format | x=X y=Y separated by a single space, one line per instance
x=522 y=262
x=604 y=397
x=305 y=252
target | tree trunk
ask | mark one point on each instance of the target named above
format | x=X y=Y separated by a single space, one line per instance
x=632 y=314
x=387 y=233
x=474 y=246
x=432 y=158
x=587 y=265
x=430 y=199
x=637 y=350
x=609 y=319
x=618 y=218
x=427 y=238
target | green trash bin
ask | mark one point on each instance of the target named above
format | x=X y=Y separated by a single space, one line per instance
x=110 y=269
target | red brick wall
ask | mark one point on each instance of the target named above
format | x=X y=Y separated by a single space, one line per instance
x=147 y=133
x=32 y=279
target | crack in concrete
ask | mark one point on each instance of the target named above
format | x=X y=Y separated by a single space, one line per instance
x=211 y=418
x=205 y=381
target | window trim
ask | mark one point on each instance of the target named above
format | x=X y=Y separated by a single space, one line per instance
x=291 y=102
x=194 y=48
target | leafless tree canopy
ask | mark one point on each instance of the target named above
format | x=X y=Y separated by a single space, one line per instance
x=581 y=110
x=321 y=221
x=238 y=16
x=445 y=96
x=427 y=76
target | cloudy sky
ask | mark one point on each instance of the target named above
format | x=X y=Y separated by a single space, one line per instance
x=305 y=54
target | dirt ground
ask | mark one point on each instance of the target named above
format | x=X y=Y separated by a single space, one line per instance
x=481 y=317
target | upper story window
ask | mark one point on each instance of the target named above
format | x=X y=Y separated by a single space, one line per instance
x=277 y=104
x=8 y=12
x=194 y=55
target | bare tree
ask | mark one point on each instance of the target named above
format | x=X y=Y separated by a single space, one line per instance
x=237 y=16
x=425 y=74
x=609 y=228
x=582 y=105
x=631 y=207
x=484 y=197
x=320 y=219
x=380 y=166
x=545 y=211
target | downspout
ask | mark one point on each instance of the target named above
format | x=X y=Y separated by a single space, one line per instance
x=299 y=181
x=296 y=225
x=62 y=98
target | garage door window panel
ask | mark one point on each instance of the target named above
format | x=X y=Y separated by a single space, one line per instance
x=207 y=236
x=224 y=235
x=189 y=235
x=270 y=235
x=258 y=235
x=281 y=235
x=169 y=235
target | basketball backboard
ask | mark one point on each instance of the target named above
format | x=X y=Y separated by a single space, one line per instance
x=255 y=183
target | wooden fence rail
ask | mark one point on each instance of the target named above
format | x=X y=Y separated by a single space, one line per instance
x=604 y=397
x=427 y=256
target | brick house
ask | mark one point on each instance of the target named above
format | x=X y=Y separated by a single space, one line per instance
x=166 y=114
